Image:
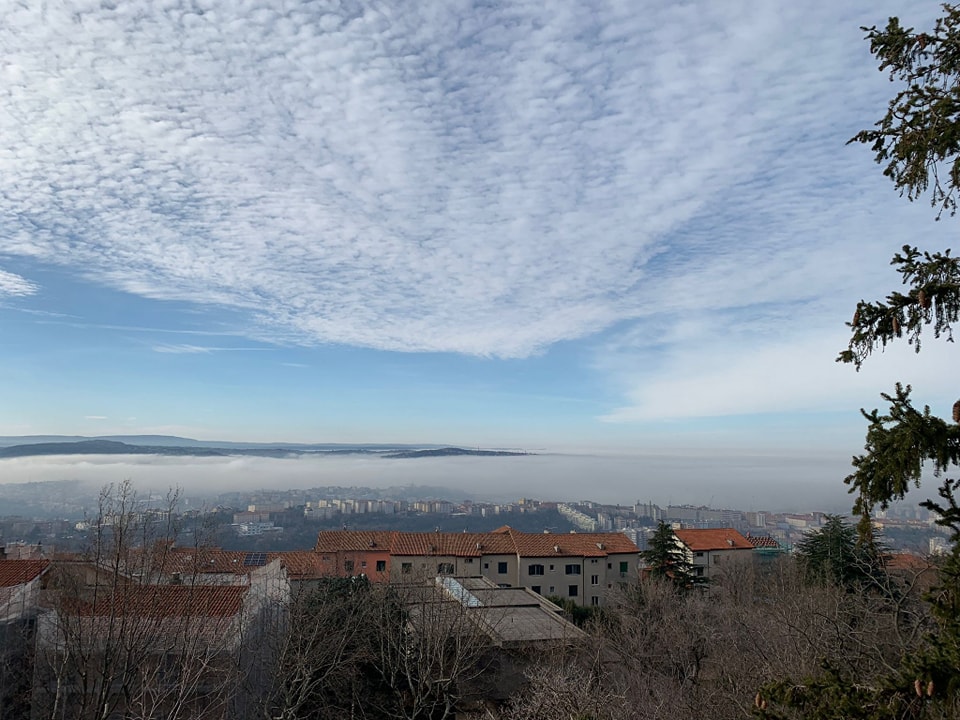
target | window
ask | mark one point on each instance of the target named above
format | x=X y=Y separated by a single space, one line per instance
x=594 y=579
x=552 y=589
x=501 y=568
x=444 y=568
x=698 y=571
x=594 y=600
x=381 y=565
x=573 y=590
x=551 y=568
x=535 y=570
x=486 y=566
x=624 y=566
x=363 y=563
x=699 y=554
x=573 y=569
x=593 y=562
x=536 y=589
x=406 y=568
x=468 y=560
x=503 y=585
x=348 y=566
x=609 y=566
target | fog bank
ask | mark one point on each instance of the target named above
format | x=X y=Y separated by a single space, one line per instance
x=771 y=481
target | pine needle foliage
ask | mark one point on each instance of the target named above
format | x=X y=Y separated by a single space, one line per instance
x=665 y=559
x=917 y=144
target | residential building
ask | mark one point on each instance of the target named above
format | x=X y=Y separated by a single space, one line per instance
x=20 y=582
x=20 y=588
x=145 y=650
x=583 y=567
x=710 y=550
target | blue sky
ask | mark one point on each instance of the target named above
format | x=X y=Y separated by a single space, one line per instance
x=611 y=226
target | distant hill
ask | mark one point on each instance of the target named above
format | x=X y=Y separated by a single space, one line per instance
x=451 y=451
x=173 y=446
x=100 y=447
x=175 y=441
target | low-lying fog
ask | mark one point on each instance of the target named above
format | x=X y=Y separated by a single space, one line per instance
x=768 y=481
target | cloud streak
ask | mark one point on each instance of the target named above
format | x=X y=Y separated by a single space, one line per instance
x=183 y=349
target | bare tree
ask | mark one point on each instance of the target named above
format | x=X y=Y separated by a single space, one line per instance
x=113 y=641
x=428 y=651
x=310 y=658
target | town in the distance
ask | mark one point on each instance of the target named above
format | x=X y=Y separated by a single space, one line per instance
x=405 y=601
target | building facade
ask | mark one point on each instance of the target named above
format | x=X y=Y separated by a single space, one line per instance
x=582 y=567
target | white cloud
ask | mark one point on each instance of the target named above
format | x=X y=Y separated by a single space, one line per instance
x=726 y=372
x=183 y=349
x=448 y=176
x=95 y=417
x=14 y=285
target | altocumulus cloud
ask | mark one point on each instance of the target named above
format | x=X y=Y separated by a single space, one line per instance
x=457 y=176
x=13 y=285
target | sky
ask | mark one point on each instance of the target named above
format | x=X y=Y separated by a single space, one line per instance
x=614 y=228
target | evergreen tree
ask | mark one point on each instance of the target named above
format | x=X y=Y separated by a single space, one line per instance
x=665 y=558
x=834 y=555
x=917 y=142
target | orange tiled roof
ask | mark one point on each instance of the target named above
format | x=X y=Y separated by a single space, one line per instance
x=300 y=564
x=504 y=541
x=170 y=601
x=455 y=544
x=579 y=544
x=18 y=572
x=907 y=561
x=713 y=539
x=762 y=541
x=191 y=560
x=353 y=540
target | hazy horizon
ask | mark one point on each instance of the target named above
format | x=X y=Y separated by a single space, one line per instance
x=778 y=483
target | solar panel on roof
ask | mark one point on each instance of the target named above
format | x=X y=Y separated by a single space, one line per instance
x=459 y=592
x=255 y=559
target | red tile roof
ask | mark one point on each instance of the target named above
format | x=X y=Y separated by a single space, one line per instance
x=908 y=562
x=19 y=572
x=170 y=601
x=571 y=544
x=503 y=541
x=192 y=560
x=762 y=541
x=301 y=564
x=713 y=539
x=353 y=540
x=455 y=544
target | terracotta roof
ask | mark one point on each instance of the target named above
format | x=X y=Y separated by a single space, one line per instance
x=455 y=544
x=170 y=601
x=191 y=560
x=504 y=541
x=713 y=539
x=579 y=544
x=19 y=572
x=346 y=540
x=762 y=541
x=301 y=564
x=908 y=562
